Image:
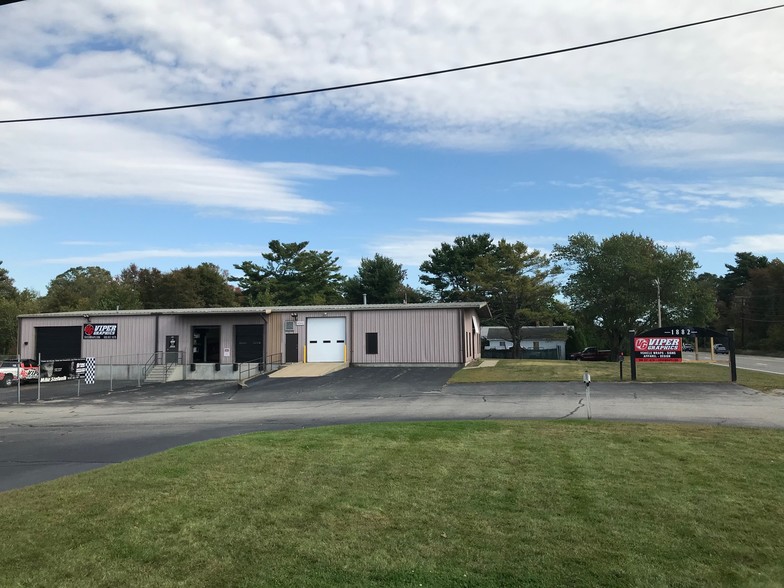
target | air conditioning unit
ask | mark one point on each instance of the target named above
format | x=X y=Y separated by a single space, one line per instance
x=288 y=326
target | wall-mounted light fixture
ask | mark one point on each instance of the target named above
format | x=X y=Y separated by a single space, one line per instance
x=86 y=317
x=294 y=315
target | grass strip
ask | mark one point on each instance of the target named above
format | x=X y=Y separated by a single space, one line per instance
x=526 y=370
x=416 y=504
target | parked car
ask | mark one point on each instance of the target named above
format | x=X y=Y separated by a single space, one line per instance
x=687 y=347
x=719 y=348
x=591 y=354
x=26 y=370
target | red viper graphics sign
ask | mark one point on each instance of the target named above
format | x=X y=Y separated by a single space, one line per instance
x=657 y=349
x=91 y=331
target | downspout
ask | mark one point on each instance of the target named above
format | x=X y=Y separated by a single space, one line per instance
x=264 y=314
x=157 y=335
x=351 y=335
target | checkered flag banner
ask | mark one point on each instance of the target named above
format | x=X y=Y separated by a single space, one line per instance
x=89 y=370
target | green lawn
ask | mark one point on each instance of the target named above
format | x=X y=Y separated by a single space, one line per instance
x=526 y=370
x=427 y=504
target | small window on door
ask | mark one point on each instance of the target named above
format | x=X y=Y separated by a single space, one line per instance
x=371 y=343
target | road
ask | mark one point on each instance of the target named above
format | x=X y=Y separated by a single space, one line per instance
x=759 y=363
x=43 y=441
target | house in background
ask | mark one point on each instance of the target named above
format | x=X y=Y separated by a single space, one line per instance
x=535 y=342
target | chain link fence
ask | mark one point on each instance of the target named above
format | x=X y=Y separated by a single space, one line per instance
x=33 y=380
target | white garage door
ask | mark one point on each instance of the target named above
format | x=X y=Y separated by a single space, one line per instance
x=326 y=339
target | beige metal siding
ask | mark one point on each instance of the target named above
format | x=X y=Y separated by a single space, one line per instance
x=134 y=334
x=408 y=336
x=472 y=335
x=279 y=335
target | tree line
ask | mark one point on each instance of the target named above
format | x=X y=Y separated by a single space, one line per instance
x=603 y=288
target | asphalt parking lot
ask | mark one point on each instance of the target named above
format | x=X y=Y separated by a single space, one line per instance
x=41 y=441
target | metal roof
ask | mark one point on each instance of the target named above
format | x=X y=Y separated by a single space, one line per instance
x=480 y=307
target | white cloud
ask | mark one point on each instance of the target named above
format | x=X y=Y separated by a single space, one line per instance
x=137 y=255
x=732 y=193
x=11 y=215
x=100 y=159
x=759 y=244
x=535 y=217
x=704 y=95
x=409 y=249
x=718 y=219
x=688 y=244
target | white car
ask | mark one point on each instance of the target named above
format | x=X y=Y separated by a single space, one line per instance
x=719 y=348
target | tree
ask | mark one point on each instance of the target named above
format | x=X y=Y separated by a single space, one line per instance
x=292 y=275
x=87 y=288
x=380 y=279
x=613 y=283
x=13 y=302
x=446 y=271
x=517 y=285
x=738 y=275
x=203 y=286
x=758 y=308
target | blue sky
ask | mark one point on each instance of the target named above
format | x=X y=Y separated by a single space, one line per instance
x=676 y=137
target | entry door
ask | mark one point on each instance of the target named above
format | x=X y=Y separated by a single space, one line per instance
x=172 y=348
x=326 y=340
x=292 y=348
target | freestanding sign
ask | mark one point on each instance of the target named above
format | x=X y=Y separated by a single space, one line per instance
x=659 y=339
x=664 y=349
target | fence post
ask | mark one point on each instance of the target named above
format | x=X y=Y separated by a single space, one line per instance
x=40 y=375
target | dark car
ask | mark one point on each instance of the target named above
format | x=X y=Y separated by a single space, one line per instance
x=687 y=347
x=719 y=348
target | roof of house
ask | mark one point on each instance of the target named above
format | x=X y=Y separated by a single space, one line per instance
x=560 y=333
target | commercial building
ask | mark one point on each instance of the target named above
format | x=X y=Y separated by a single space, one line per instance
x=213 y=343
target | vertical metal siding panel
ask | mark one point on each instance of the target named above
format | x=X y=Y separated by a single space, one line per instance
x=275 y=333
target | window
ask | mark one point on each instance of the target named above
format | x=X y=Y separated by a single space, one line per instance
x=371 y=343
x=206 y=345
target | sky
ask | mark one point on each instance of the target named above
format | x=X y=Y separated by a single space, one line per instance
x=677 y=137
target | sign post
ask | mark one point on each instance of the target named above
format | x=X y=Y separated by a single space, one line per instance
x=587 y=382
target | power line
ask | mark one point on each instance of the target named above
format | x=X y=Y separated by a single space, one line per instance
x=393 y=79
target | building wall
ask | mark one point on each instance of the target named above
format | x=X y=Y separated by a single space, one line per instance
x=471 y=335
x=135 y=337
x=413 y=336
x=408 y=337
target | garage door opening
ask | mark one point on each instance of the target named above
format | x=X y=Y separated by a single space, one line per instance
x=58 y=342
x=248 y=343
x=326 y=340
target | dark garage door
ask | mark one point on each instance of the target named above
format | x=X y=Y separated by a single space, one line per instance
x=58 y=342
x=249 y=343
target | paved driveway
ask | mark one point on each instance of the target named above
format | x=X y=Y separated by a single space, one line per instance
x=42 y=441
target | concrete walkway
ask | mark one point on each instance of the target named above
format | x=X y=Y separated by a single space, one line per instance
x=308 y=370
